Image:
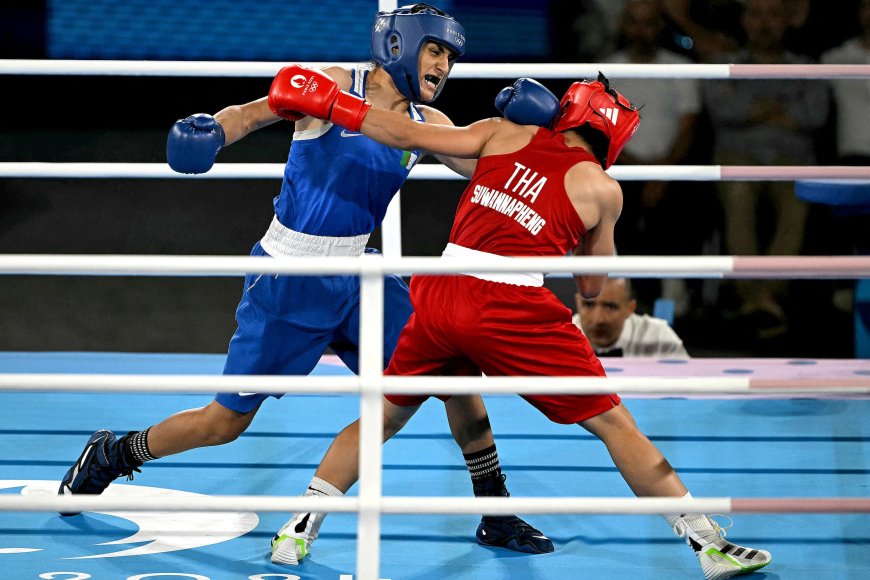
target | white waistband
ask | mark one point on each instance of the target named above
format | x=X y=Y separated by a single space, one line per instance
x=517 y=279
x=282 y=242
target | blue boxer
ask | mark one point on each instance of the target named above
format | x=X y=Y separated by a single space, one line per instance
x=285 y=323
x=277 y=335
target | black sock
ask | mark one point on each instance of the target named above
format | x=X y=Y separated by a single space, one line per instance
x=485 y=471
x=482 y=464
x=136 y=450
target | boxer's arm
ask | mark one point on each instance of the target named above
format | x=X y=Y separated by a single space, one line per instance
x=400 y=132
x=598 y=239
x=464 y=167
x=296 y=89
x=240 y=120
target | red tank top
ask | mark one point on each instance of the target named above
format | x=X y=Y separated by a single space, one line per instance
x=516 y=204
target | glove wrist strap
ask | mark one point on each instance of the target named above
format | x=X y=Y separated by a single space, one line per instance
x=349 y=111
x=221 y=136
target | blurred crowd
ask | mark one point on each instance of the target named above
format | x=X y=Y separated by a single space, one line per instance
x=733 y=122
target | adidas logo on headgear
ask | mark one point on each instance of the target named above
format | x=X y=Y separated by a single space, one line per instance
x=610 y=113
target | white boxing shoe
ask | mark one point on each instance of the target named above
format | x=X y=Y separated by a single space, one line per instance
x=719 y=558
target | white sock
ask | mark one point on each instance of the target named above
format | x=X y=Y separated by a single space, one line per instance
x=672 y=518
x=319 y=488
x=322 y=487
x=700 y=524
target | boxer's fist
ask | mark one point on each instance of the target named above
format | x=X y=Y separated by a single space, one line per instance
x=528 y=102
x=193 y=143
x=297 y=91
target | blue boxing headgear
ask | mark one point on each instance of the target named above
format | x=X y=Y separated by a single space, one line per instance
x=398 y=36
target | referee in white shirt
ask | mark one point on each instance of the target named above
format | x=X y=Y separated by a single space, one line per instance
x=613 y=328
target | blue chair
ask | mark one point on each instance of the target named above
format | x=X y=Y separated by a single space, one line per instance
x=664 y=308
x=846 y=198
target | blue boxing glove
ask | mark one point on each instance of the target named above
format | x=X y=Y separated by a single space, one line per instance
x=528 y=102
x=193 y=143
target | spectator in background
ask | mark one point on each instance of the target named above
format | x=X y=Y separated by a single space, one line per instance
x=764 y=122
x=711 y=27
x=584 y=30
x=651 y=221
x=852 y=97
x=815 y=26
x=613 y=328
x=707 y=28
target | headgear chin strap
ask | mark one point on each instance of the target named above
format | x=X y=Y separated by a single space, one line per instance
x=398 y=36
x=604 y=109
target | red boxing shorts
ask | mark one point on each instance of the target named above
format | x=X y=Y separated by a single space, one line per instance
x=464 y=326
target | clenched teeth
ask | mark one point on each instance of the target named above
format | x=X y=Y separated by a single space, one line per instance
x=432 y=80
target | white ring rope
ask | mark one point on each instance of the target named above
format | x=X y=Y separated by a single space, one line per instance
x=462 y=70
x=768 y=267
x=155 y=383
x=436 y=505
x=429 y=171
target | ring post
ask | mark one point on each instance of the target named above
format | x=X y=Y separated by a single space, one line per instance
x=371 y=370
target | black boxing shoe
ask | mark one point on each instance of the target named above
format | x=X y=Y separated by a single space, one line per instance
x=101 y=462
x=508 y=532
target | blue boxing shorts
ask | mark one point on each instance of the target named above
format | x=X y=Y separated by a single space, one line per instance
x=285 y=323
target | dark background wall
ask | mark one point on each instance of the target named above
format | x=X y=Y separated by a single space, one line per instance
x=125 y=119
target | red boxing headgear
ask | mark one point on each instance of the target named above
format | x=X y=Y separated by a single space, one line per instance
x=596 y=103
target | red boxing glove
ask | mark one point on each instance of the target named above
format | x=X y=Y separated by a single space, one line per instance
x=349 y=111
x=298 y=91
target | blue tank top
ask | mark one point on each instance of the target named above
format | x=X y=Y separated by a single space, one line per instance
x=339 y=183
